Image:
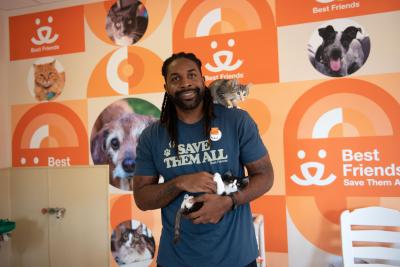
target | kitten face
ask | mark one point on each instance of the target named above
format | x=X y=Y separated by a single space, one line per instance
x=228 y=92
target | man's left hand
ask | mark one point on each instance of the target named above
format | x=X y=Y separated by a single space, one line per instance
x=213 y=209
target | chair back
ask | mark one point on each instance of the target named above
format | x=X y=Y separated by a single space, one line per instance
x=371 y=237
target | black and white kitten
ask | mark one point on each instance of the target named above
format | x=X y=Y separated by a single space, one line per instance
x=228 y=92
x=126 y=22
x=135 y=245
x=226 y=184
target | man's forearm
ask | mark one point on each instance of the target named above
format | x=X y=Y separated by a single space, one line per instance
x=260 y=181
x=155 y=196
x=256 y=188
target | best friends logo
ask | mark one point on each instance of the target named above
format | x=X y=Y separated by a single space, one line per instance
x=290 y=12
x=342 y=139
x=44 y=33
x=47 y=33
x=222 y=34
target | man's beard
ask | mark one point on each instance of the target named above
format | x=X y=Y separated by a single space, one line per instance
x=184 y=104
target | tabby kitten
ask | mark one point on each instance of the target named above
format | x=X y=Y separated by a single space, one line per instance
x=126 y=22
x=135 y=245
x=48 y=81
x=226 y=184
x=228 y=92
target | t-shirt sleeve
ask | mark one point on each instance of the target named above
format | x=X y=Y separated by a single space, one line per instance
x=144 y=159
x=251 y=146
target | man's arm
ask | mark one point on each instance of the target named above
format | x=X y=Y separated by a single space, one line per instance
x=148 y=194
x=261 y=179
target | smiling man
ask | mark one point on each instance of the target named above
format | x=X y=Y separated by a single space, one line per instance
x=180 y=149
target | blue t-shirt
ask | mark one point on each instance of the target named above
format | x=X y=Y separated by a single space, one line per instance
x=236 y=141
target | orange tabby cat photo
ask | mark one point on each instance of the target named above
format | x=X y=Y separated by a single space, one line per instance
x=48 y=80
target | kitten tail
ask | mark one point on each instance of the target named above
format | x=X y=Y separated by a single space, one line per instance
x=177 y=226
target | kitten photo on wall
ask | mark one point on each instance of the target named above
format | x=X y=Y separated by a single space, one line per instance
x=46 y=79
x=339 y=48
x=132 y=244
x=126 y=22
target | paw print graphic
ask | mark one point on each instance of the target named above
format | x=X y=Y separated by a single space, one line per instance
x=167 y=152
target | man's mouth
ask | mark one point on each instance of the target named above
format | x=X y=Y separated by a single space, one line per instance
x=187 y=94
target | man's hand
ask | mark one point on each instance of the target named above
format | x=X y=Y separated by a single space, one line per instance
x=197 y=182
x=213 y=209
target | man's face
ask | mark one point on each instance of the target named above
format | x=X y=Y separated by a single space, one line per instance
x=184 y=84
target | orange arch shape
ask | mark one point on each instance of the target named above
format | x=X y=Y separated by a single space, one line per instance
x=78 y=155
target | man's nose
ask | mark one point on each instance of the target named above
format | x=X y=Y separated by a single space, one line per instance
x=186 y=83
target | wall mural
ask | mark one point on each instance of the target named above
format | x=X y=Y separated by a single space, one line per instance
x=325 y=96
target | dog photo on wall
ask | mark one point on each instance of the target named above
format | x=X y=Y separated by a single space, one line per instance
x=339 y=48
x=115 y=136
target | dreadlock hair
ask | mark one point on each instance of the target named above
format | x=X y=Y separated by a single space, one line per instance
x=169 y=116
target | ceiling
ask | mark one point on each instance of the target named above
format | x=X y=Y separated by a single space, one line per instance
x=7 y=5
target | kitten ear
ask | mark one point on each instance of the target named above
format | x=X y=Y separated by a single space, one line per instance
x=235 y=82
x=139 y=229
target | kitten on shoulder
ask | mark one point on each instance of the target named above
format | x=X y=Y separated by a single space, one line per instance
x=228 y=92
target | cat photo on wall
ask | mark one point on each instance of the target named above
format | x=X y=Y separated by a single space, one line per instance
x=132 y=244
x=126 y=22
x=46 y=79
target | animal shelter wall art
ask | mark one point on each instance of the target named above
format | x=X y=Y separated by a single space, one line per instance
x=224 y=35
x=85 y=80
x=47 y=33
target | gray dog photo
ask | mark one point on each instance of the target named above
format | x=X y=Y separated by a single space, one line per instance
x=339 y=48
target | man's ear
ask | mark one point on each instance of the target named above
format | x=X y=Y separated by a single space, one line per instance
x=165 y=87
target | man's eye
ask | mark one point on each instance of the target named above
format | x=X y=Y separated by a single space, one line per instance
x=192 y=76
x=174 y=79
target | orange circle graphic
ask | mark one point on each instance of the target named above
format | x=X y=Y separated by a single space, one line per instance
x=259 y=112
x=126 y=71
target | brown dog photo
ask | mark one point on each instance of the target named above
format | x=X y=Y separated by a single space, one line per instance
x=114 y=139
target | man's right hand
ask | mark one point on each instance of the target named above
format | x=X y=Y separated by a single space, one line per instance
x=197 y=182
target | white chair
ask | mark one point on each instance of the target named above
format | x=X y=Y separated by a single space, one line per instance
x=367 y=239
x=258 y=221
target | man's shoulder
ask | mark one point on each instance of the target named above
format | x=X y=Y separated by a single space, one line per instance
x=233 y=113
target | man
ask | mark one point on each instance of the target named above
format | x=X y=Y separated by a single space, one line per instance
x=181 y=149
